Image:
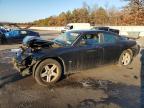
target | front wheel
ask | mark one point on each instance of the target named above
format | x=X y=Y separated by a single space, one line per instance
x=48 y=72
x=125 y=58
x=3 y=40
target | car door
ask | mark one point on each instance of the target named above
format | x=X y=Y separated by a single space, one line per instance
x=85 y=54
x=12 y=36
x=112 y=49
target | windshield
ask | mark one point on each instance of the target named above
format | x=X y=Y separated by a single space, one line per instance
x=67 y=38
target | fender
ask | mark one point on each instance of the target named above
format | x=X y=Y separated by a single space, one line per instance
x=39 y=60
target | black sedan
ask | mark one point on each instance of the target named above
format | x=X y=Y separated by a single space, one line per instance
x=72 y=51
x=16 y=36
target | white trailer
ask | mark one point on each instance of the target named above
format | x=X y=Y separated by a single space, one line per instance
x=76 y=26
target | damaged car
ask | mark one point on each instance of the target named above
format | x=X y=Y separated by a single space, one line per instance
x=71 y=52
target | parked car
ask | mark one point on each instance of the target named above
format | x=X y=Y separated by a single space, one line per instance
x=3 y=30
x=16 y=36
x=106 y=29
x=72 y=51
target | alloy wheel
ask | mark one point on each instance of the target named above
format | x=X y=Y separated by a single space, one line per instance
x=126 y=58
x=49 y=72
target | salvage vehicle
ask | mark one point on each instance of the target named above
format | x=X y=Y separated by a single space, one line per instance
x=71 y=52
x=16 y=36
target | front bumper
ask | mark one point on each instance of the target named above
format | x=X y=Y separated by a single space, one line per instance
x=23 y=62
x=23 y=69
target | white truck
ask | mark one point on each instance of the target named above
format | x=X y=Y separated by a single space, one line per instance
x=76 y=26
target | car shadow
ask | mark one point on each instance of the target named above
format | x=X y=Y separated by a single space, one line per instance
x=10 y=79
x=142 y=78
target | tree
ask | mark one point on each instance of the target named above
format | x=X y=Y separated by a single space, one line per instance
x=113 y=16
x=101 y=16
x=134 y=12
x=131 y=14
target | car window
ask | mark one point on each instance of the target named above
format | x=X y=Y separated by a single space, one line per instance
x=14 y=33
x=109 y=38
x=66 y=38
x=90 y=40
x=23 y=32
x=30 y=33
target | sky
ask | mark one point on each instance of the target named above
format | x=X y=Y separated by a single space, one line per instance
x=30 y=10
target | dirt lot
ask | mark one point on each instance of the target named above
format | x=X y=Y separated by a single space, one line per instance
x=104 y=87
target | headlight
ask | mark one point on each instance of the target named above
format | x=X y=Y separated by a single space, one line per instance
x=23 y=53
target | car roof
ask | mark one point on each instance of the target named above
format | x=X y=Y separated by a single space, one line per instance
x=91 y=31
x=21 y=30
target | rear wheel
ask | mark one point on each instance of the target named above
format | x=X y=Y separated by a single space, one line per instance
x=48 y=72
x=125 y=58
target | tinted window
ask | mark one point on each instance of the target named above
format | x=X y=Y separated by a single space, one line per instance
x=14 y=33
x=23 y=32
x=109 y=38
x=30 y=33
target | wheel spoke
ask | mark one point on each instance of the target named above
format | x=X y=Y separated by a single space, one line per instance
x=123 y=58
x=53 y=74
x=47 y=68
x=48 y=78
x=53 y=67
x=44 y=74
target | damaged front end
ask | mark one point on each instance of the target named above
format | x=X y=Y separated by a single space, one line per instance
x=24 y=59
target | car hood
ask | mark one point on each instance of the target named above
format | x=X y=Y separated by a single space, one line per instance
x=33 y=42
x=7 y=34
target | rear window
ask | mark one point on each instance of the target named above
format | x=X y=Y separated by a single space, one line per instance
x=31 y=33
x=23 y=32
x=109 y=38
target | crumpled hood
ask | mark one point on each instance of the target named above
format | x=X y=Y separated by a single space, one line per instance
x=33 y=41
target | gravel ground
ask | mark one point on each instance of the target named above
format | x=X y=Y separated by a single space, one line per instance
x=109 y=86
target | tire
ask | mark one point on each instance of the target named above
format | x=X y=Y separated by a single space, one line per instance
x=1 y=41
x=125 y=58
x=48 y=72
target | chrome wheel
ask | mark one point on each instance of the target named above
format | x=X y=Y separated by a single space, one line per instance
x=49 y=73
x=126 y=58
